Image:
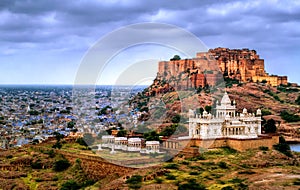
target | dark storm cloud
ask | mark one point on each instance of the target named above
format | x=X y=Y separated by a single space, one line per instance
x=53 y=25
x=55 y=18
x=47 y=21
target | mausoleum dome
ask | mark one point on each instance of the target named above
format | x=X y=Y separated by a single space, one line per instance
x=225 y=100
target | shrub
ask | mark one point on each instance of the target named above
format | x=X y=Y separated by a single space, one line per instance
x=217 y=175
x=51 y=153
x=36 y=165
x=39 y=180
x=288 y=117
x=222 y=165
x=236 y=180
x=185 y=163
x=135 y=181
x=265 y=112
x=229 y=150
x=227 y=188
x=191 y=184
x=296 y=182
x=283 y=147
x=87 y=183
x=57 y=145
x=246 y=172
x=81 y=142
x=158 y=180
x=170 y=177
x=55 y=178
x=70 y=185
x=263 y=148
x=171 y=166
x=176 y=118
x=61 y=165
x=194 y=173
x=298 y=100
x=200 y=157
x=9 y=156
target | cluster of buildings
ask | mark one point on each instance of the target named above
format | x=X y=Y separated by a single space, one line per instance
x=129 y=144
x=33 y=113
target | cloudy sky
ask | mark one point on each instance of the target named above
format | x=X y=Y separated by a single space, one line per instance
x=45 y=41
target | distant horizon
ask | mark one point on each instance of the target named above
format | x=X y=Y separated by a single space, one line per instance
x=69 y=85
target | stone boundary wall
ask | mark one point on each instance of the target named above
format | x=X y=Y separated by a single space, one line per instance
x=237 y=144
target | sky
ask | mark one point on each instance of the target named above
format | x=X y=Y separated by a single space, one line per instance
x=45 y=41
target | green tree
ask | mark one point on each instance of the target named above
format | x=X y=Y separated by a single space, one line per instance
x=61 y=165
x=104 y=110
x=71 y=124
x=298 y=100
x=81 y=142
x=289 y=117
x=265 y=112
x=264 y=81
x=168 y=131
x=33 y=112
x=173 y=129
x=208 y=109
x=151 y=136
x=283 y=147
x=122 y=133
x=176 y=118
x=191 y=184
x=199 y=110
x=176 y=57
x=135 y=181
x=70 y=185
x=270 y=126
x=58 y=136
x=57 y=145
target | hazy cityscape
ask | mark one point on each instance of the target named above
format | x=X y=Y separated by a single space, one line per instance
x=32 y=113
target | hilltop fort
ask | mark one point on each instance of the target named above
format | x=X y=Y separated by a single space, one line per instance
x=208 y=68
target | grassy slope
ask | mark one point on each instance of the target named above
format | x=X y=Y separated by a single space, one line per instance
x=221 y=168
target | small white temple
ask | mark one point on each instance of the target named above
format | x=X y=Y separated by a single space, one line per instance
x=226 y=123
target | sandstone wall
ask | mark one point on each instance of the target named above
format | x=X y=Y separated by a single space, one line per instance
x=243 y=145
x=187 y=147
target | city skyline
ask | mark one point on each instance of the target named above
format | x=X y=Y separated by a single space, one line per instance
x=44 y=42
